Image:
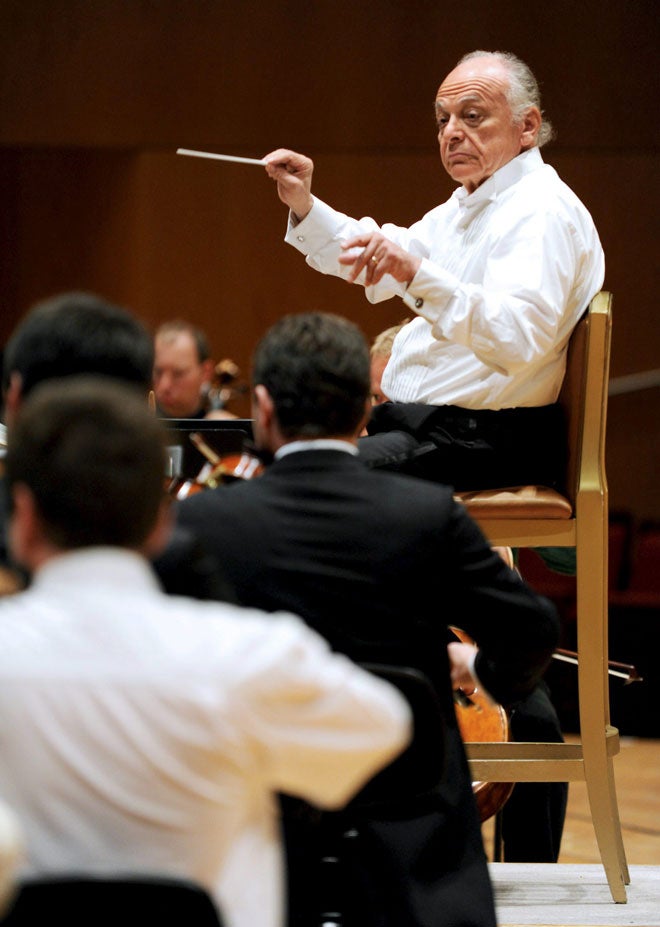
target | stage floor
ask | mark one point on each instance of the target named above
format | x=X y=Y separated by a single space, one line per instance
x=564 y=895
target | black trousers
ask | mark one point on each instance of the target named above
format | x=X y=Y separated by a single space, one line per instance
x=533 y=817
x=466 y=448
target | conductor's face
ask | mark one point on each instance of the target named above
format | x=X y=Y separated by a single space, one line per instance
x=476 y=131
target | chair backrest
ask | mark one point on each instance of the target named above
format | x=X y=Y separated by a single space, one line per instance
x=583 y=397
x=416 y=772
x=127 y=901
x=403 y=788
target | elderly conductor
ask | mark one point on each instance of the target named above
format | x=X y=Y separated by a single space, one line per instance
x=497 y=276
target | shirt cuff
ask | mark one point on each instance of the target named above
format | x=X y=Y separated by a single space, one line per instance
x=315 y=231
x=430 y=291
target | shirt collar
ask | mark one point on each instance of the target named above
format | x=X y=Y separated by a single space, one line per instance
x=97 y=565
x=508 y=175
x=316 y=444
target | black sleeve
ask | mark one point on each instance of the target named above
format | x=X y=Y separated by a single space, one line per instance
x=515 y=629
x=185 y=567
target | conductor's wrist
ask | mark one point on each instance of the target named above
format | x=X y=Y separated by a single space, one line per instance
x=301 y=210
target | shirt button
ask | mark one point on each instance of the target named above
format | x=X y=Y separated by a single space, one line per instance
x=300 y=237
x=419 y=302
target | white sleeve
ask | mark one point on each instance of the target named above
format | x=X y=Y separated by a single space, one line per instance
x=321 y=725
x=539 y=269
x=319 y=237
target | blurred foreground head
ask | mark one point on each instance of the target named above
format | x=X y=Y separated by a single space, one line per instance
x=71 y=334
x=85 y=467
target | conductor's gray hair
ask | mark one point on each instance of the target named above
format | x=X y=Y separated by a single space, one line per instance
x=523 y=90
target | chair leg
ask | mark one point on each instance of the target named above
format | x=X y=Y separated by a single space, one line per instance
x=593 y=694
x=599 y=777
x=623 y=863
x=498 y=846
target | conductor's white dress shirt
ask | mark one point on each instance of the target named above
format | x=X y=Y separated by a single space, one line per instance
x=506 y=273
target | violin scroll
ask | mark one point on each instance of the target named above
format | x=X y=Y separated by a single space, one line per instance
x=225 y=385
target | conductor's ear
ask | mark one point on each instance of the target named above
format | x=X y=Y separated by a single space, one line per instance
x=530 y=126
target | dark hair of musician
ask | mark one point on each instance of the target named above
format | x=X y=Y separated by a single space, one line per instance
x=316 y=368
x=93 y=456
x=76 y=333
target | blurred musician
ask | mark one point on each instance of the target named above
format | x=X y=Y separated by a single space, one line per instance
x=184 y=373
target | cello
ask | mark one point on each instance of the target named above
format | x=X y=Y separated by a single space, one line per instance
x=481 y=720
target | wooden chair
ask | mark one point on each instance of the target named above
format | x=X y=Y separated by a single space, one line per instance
x=535 y=516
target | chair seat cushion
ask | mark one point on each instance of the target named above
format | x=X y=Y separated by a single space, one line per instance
x=516 y=502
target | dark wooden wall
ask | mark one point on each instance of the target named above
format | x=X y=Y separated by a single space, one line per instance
x=96 y=95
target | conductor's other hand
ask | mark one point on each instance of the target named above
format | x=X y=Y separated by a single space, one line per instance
x=293 y=174
x=377 y=256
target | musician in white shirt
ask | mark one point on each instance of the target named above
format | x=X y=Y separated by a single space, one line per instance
x=143 y=732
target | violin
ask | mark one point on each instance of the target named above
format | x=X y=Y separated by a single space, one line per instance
x=217 y=469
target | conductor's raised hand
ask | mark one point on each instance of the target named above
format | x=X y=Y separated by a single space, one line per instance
x=293 y=174
x=377 y=256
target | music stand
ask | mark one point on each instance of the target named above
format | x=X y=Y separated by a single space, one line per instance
x=224 y=436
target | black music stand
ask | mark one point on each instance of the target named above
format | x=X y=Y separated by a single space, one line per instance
x=223 y=436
